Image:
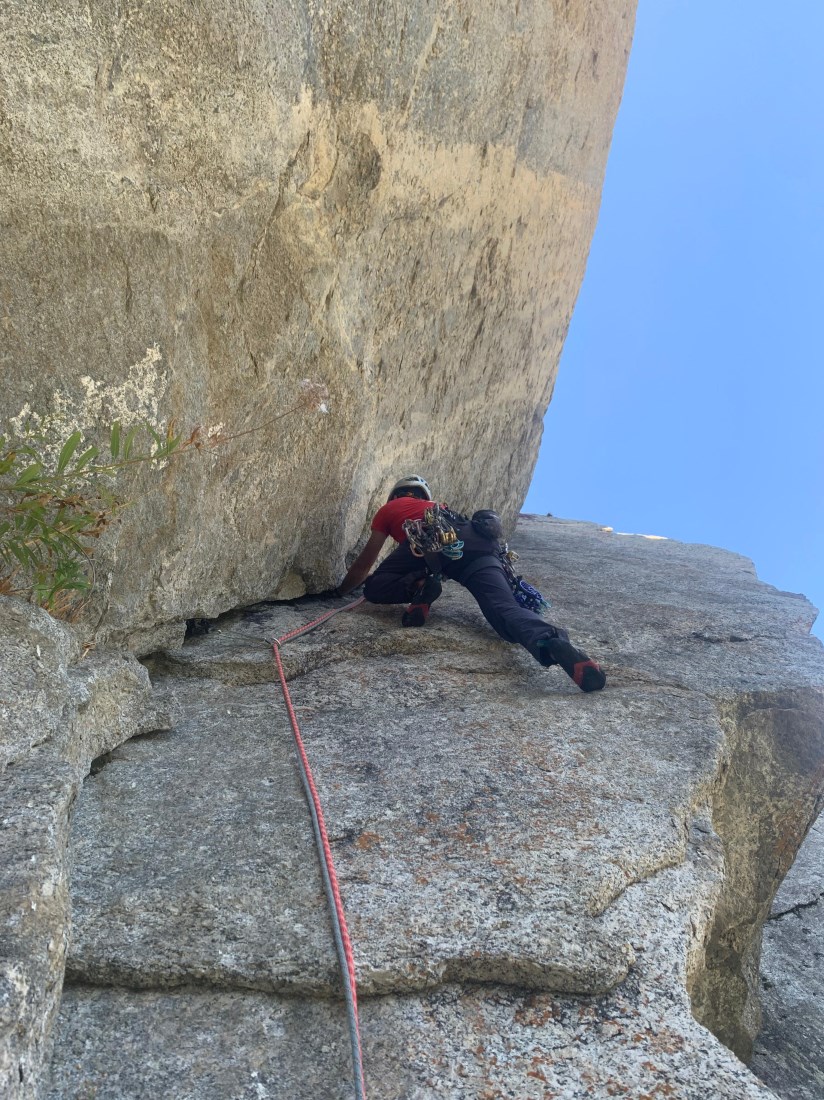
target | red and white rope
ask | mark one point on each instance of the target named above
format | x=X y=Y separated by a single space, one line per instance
x=330 y=880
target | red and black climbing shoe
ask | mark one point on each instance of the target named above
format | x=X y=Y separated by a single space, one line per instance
x=587 y=674
x=424 y=595
x=415 y=615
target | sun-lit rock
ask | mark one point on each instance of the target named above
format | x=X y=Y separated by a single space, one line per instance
x=201 y=210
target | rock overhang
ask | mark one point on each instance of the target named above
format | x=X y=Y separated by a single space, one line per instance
x=204 y=212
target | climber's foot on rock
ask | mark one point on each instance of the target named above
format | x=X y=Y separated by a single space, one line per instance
x=426 y=591
x=587 y=674
x=415 y=615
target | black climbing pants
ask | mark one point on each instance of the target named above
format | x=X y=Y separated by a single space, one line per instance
x=394 y=580
x=395 y=577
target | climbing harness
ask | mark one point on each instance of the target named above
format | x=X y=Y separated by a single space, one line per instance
x=527 y=596
x=435 y=533
x=330 y=880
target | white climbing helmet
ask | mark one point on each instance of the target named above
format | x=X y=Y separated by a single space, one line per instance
x=414 y=482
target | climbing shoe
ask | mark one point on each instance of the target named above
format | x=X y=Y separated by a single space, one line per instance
x=425 y=592
x=586 y=673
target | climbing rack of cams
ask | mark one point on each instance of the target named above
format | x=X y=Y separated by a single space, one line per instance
x=435 y=533
x=526 y=594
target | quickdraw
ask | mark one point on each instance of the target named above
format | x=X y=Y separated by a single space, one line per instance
x=435 y=533
x=526 y=594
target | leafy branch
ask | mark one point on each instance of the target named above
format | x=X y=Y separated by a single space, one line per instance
x=56 y=501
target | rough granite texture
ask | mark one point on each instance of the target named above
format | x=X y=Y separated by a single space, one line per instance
x=203 y=205
x=59 y=708
x=544 y=888
x=789 y=1051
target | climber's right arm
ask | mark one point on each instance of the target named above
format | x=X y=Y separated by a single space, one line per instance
x=360 y=567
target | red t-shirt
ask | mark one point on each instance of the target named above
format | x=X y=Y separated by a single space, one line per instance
x=389 y=520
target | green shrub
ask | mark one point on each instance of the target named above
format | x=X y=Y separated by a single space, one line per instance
x=58 y=496
x=56 y=502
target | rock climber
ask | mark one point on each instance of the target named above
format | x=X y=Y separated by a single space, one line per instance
x=404 y=577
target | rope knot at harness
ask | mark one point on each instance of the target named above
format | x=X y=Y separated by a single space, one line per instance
x=340 y=931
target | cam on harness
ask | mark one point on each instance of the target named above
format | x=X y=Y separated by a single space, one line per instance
x=438 y=532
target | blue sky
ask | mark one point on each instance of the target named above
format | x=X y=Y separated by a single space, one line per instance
x=690 y=394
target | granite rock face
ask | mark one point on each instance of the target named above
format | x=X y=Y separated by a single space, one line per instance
x=202 y=210
x=549 y=893
x=788 y=1052
x=59 y=708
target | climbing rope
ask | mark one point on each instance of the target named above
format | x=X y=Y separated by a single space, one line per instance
x=343 y=944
